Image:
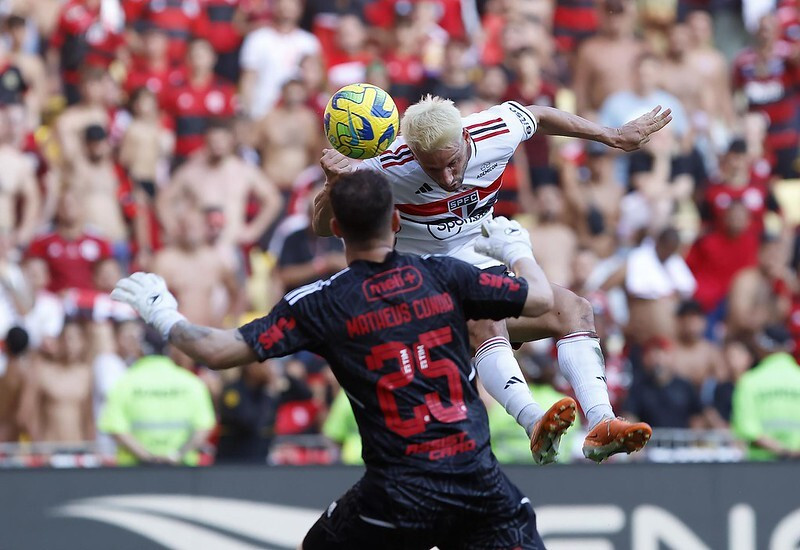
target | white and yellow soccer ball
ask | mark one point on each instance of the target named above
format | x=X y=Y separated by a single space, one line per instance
x=361 y=121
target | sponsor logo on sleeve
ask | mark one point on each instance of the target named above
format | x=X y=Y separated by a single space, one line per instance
x=276 y=332
x=524 y=119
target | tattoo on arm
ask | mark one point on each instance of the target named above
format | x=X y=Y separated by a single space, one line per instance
x=185 y=331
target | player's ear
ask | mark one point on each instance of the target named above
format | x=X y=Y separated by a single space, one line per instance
x=335 y=229
x=395 y=220
x=465 y=133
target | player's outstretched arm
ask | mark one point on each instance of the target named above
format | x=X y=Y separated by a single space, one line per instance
x=508 y=242
x=629 y=137
x=218 y=349
x=333 y=164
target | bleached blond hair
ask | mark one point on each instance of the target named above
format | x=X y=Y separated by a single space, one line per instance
x=431 y=124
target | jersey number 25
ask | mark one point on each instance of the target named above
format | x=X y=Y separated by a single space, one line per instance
x=407 y=359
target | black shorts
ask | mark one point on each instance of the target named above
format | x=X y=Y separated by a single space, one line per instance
x=349 y=523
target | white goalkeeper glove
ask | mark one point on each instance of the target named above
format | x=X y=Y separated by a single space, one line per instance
x=504 y=240
x=147 y=293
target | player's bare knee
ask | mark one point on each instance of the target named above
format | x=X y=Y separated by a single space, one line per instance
x=480 y=331
x=576 y=312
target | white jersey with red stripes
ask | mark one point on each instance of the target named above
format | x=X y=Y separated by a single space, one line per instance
x=435 y=221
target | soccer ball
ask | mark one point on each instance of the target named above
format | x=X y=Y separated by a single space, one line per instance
x=361 y=121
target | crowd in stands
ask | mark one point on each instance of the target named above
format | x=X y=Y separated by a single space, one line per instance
x=183 y=137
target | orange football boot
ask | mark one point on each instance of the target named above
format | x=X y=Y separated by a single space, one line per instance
x=615 y=435
x=548 y=430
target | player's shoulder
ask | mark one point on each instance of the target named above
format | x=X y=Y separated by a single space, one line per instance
x=315 y=291
x=441 y=265
x=506 y=120
x=397 y=160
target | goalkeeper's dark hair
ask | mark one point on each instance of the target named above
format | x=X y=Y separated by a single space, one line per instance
x=362 y=204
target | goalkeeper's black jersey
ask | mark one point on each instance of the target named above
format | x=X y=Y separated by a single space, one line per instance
x=395 y=336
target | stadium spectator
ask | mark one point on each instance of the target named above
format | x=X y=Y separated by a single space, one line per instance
x=31 y=67
x=490 y=90
x=152 y=68
x=605 y=62
x=15 y=294
x=454 y=80
x=347 y=60
x=711 y=65
x=179 y=20
x=98 y=180
x=740 y=180
x=659 y=175
x=304 y=257
x=194 y=271
x=643 y=93
x=592 y=198
x=556 y=241
x=573 y=22
x=658 y=395
x=217 y=179
x=284 y=152
x=144 y=153
x=765 y=75
x=14 y=362
x=311 y=71
x=404 y=64
x=158 y=413
x=70 y=250
x=20 y=197
x=89 y=34
x=247 y=412
x=340 y=427
x=56 y=403
x=45 y=318
x=766 y=401
x=198 y=100
x=109 y=367
x=656 y=279
x=761 y=295
x=715 y=258
x=90 y=110
x=270 y=56
x=696 y=359
x=531 y=87
x=223 y=20
x=717 y=394
x=681 y=79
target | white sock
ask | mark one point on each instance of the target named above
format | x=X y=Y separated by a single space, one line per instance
x=582 y=364
x=501 y=376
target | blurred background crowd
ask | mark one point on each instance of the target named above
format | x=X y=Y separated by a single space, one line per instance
x=183 y=137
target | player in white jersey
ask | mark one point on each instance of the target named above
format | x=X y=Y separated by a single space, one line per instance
x=446 y=171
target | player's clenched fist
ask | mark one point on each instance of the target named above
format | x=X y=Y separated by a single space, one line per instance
x=504 y=240
x=335 y=164
x=147 y=293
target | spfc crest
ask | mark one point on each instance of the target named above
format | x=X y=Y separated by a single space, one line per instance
x=464 y=205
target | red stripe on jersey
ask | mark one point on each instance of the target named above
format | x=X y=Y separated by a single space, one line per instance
x=395 y=152
x=487 y=136
x=399 y=162
x=487 y=123
x=440 y=206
